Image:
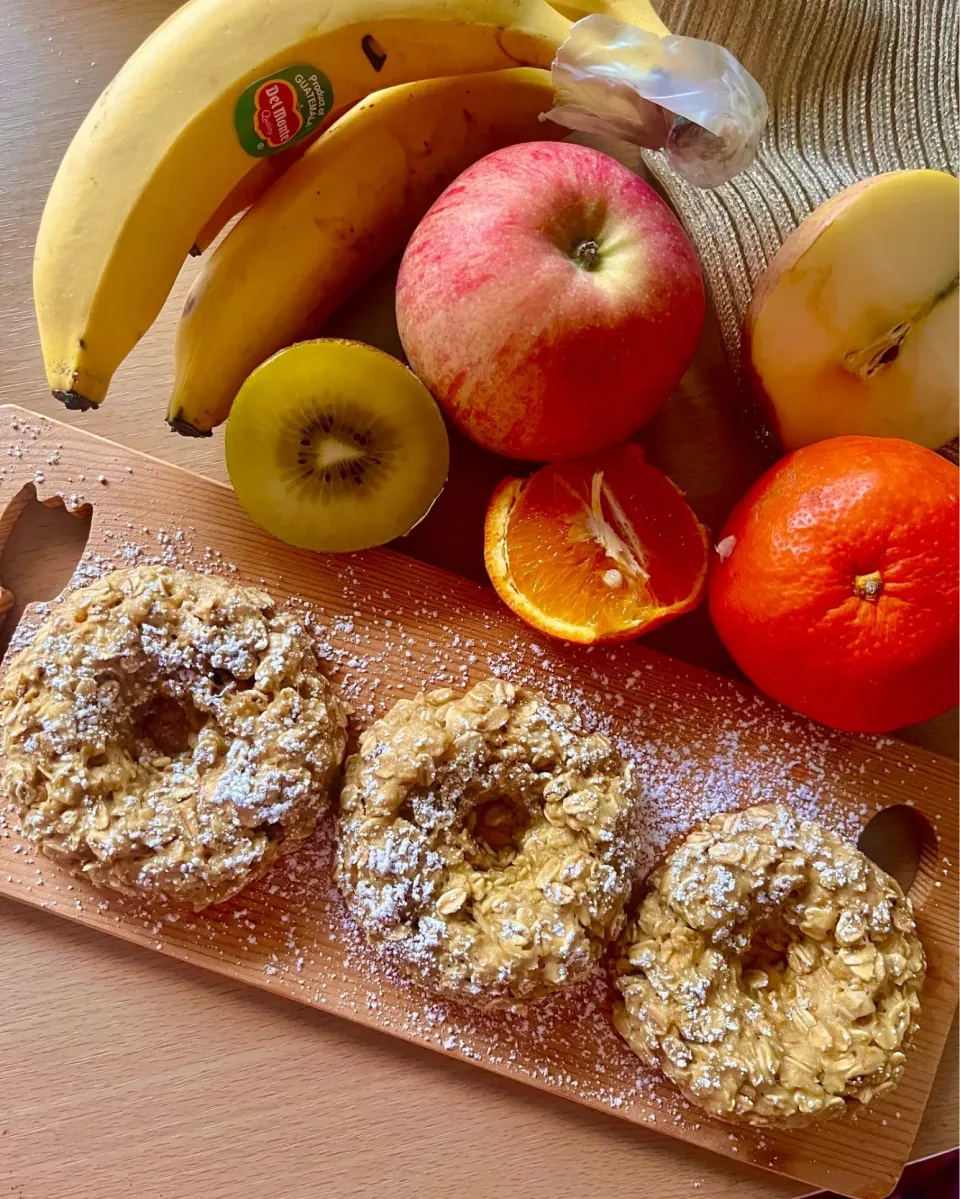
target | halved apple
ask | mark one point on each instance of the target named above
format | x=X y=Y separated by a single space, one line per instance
x=853 y=327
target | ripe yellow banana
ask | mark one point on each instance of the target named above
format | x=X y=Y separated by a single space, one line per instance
x=246 y=193
x=333 y=219
x=219 y=84
x=264 y=174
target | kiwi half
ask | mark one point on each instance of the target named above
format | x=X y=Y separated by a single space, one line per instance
x=335 y=446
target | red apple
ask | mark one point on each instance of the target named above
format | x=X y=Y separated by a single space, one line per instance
x=550 y=300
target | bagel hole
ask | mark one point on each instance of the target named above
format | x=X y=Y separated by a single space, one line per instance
x=498 y=824
x=167 y=725
x=406 y=811
x=768 y=947
x=901 y=842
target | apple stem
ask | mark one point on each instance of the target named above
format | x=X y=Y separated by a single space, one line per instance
x=586 y=254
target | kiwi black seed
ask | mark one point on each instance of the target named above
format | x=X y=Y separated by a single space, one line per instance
x=337 y=446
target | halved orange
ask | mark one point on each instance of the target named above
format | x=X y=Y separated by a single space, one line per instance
x=602 y=548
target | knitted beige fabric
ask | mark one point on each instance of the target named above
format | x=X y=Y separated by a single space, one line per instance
x=855 y=87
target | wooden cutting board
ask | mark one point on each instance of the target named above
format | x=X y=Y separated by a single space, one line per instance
x=392 y=626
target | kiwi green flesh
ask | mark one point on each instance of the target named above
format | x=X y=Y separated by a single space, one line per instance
x=334 y=446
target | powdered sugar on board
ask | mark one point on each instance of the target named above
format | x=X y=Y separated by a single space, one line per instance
x=747 y=754
x=683 y=780
x=388 y=627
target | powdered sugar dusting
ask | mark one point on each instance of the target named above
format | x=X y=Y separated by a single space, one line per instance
x=293 y=928
x=386 y=630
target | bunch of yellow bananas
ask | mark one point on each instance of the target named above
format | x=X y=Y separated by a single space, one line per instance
x=211 y=115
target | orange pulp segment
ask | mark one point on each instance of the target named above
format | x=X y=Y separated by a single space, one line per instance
x=602 y=548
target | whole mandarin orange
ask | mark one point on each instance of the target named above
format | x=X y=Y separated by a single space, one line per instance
x=835 y=587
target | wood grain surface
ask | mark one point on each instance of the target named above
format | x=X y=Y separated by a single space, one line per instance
x=124 y=1073
x=390 y=626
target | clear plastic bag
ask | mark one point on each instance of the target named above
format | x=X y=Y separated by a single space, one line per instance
x=689 y=98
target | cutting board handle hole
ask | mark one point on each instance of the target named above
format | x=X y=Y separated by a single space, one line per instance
x=42 y=545
x=902 y=841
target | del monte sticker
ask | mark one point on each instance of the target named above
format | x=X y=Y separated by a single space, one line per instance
x=282 y=108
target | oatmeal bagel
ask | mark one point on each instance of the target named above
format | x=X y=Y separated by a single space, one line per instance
x=485 y=845
x=169 y=734
x=772 y=971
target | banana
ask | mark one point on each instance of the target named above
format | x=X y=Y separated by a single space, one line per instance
x=219 y=84
x=333 y=219
x=246 y=193
x=251 y=187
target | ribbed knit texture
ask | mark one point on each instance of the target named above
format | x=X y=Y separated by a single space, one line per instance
x=855 y=87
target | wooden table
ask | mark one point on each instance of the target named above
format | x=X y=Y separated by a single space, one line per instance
x=123 y=1073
